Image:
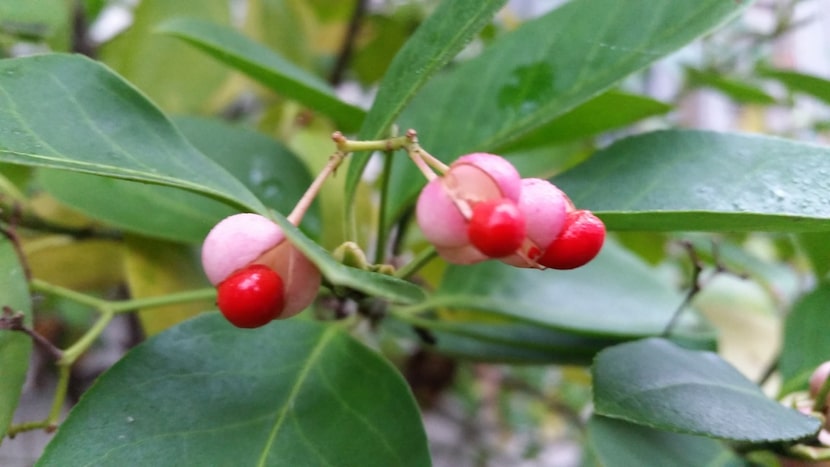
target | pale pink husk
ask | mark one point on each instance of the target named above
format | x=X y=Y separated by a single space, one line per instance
x=545 y=209
x=237 y=241
x=818 y=378
x=445 y=203
x=502 y=172
x=466 y=254
x=300 y=276
x=439 y=218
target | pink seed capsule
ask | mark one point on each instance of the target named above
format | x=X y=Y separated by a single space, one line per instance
x=235 y=242
x=445 y=205
x=498 y=169
x=545 y=209
x=241 y=240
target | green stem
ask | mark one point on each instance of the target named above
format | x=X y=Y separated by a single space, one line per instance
x=60 y=396
x=207 y=293
x=38 y=285
x=390 y=144
x=383 y=233
x=85 y=342
x=26 y=426
x=421 y=259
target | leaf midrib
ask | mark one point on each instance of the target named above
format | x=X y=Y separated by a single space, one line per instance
x=313 y=356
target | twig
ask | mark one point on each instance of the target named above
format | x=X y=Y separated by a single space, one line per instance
x=696 y=281
x=347 y=47
x=80 y=32
x=13 y=321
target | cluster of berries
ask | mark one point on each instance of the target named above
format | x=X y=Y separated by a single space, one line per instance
x=259 y=275
x=481 y=209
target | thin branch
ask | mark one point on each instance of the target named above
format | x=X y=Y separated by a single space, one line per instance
x=13 y=321
x=80 y=32
x=694 y=288
x=696 y=282
x=344 y=56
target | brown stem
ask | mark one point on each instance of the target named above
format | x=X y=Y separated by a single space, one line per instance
x=347 y=47
x=697 y=283
x=13 y=321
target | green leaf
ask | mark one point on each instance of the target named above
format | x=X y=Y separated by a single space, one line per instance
x=607 y=111
x=269 y=169
x=434 y=43
x=735 y=89
x=655 y=383
x=265 y=66
x=617 y=443
x=272 y=171
x=705 y=181
x=177 y=215
x=15 y=347
x=542 y=70
x=497 y=338
x=371 y=283
x=106 y=128
x=176 y=77
x=467 y=347
x=205 y=393
x=616 y=295
x=805 y=339
x=800 y=82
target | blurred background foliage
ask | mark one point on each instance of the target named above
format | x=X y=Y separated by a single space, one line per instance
x=765 y=73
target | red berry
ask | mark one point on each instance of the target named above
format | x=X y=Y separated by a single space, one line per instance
x=497 y=227
x=251 y=297
x=578 y=242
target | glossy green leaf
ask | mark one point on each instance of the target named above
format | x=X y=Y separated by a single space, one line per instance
x=466 y=347
x=176 y=77
x=272 y=171
x=605 y=112
x=735 y=89
x=434 y=43
x=615 y=295
x=177 y=215
x=269 y=169
x=265 y=66
x=107 y=128
x=578 y=50
x=806 y=345
x=705 y=181
x=371 y=283
x=655 y=383
x=800 y=82
x=498 y=338
x=206 y=393
x=617 y=443
x=15 y=347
